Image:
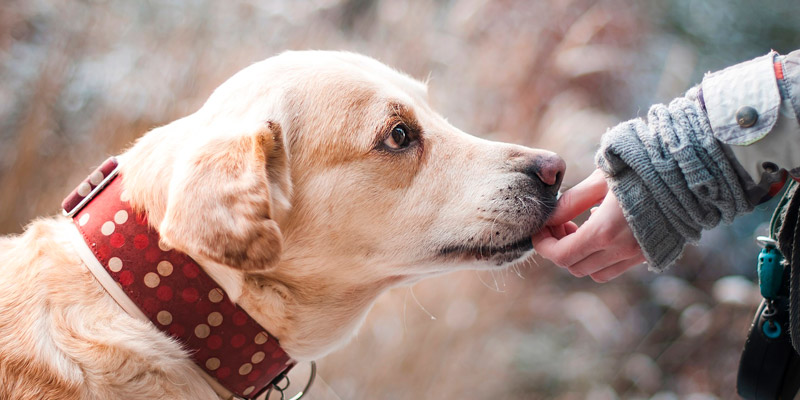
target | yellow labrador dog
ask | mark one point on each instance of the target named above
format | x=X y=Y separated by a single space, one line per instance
x=307 y=185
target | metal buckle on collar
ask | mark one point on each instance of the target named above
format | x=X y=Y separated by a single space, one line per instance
x=279 y=385
x=70 y=213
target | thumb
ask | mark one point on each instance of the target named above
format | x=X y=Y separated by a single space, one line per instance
x=580 y=198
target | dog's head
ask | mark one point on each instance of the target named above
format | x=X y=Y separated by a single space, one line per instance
x=335 y=156
x=312 y=181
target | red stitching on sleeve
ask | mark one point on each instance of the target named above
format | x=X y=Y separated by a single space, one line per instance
x=778 y=69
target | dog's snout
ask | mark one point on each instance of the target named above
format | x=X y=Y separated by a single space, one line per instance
x=549 y=169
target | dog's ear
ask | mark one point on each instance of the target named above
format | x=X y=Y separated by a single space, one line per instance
x=221 y=195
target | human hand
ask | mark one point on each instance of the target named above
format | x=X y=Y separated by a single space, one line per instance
x=603 y=247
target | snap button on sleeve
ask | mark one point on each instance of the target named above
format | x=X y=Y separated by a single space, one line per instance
x=746 y=116
x=742 y=102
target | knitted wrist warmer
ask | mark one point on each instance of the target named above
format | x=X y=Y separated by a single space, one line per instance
x=671 y=177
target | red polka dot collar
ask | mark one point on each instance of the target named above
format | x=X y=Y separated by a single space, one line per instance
x=172 y=290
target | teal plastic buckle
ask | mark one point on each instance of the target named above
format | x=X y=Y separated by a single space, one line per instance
x=770 y=268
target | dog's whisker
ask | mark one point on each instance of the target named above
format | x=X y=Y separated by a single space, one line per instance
x=480 y=278
x=411 y=289
x=405 y=307
x=515 y=267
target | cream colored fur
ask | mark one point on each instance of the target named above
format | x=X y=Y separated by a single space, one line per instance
x=282 y=188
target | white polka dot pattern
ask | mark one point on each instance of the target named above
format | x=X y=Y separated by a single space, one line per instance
x=212 y=363
x=202 y=331
x=179 y=298
x=84 y=189
x=107 y=228
x=164 y=317
x=151 y=280
x=215 y=319
x=261 y=338
x=96 y=178
x=164 y=268
x=115 y=264
x=121 y=217
x=245 y=369
x=215 y=295
x=257 y=357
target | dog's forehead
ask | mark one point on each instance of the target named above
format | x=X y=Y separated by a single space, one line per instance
x=347 y=84
x=342 y=100
x=355 y=67
x=312 y=79
x=329 y=104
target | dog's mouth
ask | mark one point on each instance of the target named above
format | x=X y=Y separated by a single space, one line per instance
x=518 y=243
x=495 y=254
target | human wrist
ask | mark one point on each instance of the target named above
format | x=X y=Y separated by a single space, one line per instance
x=671 y=178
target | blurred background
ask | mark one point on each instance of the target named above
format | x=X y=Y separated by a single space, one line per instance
x=80 y=80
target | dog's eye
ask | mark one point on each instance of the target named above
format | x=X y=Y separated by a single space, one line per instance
x=398 y=139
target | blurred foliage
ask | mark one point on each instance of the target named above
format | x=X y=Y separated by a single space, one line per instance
x=725 y=32
x=80 y=80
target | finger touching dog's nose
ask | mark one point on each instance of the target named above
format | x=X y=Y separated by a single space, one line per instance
x=547 y=168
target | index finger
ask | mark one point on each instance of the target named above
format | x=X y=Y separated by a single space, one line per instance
x=579 y=198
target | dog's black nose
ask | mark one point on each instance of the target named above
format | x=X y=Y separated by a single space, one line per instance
x=548 y=168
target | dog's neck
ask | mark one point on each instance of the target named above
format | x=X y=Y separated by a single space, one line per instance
x=309 y=306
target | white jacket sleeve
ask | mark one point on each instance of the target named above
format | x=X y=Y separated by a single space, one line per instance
x=754 y=109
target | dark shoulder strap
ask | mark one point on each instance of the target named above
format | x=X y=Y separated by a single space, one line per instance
x=788 y=217
x=782 y=209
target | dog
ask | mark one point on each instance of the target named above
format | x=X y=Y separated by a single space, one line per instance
x=307 y=185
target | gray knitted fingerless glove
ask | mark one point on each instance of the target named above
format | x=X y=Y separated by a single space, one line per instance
x=671 y=177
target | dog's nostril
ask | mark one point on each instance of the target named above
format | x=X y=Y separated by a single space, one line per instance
x=549 y=169
x=558 y=178
x=547 y=177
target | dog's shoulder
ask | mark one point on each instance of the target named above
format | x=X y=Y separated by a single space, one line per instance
x=31 y=265
x=62 y=336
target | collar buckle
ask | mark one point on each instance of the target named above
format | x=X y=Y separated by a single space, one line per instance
x=282 y=383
